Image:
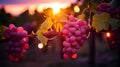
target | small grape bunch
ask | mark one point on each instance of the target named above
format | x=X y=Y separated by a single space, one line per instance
x=18 y=42
x=75 y=34
x=106 y=7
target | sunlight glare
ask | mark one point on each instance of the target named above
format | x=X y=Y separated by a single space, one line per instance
x=56 y=8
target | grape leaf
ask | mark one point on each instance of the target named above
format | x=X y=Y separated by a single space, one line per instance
x=82 y=16
x=61 y=18
x=47 y=24
x=41 y=37
x=93 y=7
x=114 y=23
x=2 y=29
x=100 y=21
x=58 y=26
x=48 y=12
x=44 y=27
x=59 y=21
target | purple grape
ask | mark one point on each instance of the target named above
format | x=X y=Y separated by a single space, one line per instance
x=12 y=34
x=7 y=30
x=72 y=38
x=65 y=31
x=25 y=39
x=72 y=30
x=78 y=33
x=18 y=49
x=16 y=44
x=14 y=29
x=19 y=35
x=66 y=44
x=83 y=31
x=74 y=51
x=28 y=27
x=74 y=44
x=66 y=26
x=22 y=43
x=69 y=49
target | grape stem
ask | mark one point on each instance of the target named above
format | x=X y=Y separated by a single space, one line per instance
x=91 y=38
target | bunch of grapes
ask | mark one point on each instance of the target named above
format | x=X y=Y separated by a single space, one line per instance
x=18 y=42
x=75 y=34
x=106 y=7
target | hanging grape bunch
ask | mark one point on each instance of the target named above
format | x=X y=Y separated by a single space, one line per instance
x=18 y=42
x=106 y=7
x=75 y=34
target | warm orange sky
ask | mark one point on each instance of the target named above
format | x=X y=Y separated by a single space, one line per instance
x=4 y=2
x=17 y=9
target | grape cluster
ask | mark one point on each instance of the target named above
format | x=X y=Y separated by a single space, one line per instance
x=106 y=7
x=75 y=34
x=18 y=42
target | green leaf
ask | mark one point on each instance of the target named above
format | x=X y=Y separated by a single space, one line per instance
x=82 y=16
x=101 y=21
x=44 y=27
x=47 y=24
x=48 y=12
x=2 y=29
x=42 y=38
x=59 y=22
x=93 y=7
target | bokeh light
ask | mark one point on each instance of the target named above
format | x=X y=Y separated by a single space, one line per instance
x=76 y=9
x=40 y=45
x=108 y=34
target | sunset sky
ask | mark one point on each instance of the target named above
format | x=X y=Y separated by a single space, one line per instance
x=15 y=7
x=33 y=1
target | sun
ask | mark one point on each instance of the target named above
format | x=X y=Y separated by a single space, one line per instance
x=56 y=7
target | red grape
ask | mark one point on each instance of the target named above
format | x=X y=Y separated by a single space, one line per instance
x=20 y=29
x=72 y=38
x=11 y=26
x=66 y=56
x=78 y=33
x=72 y=30
x=71 y=18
